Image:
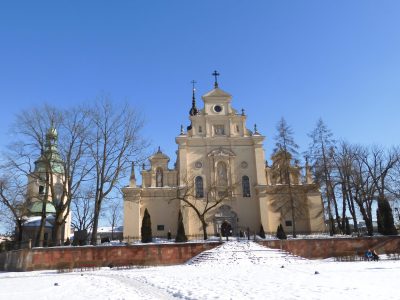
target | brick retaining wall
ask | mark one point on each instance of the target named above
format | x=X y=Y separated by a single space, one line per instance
x=336 y=247
x=170 y=254
x=100 y=256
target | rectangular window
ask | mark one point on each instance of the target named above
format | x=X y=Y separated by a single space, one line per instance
x=41 y=189
x=219 y=130
x=200 y=129
x=237 y=128
x=288 y=223
x=160 y=227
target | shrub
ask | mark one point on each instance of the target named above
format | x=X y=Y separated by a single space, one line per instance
x=280 y=233
x=180 y=235
x=262 y=232
x=147 y=236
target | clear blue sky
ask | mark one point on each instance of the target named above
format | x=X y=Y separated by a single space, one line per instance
x=339 y=60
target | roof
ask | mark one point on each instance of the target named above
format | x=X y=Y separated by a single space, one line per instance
x=217 y=92
x=35 y=221
x=36 y=208
x=159 y=155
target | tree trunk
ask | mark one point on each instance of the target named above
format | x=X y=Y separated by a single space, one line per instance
x=95 y=224
x=59 y=238
x=20 y=228
x=204 y=227
x=40 y=234
x=293 y=212
x=367 y=220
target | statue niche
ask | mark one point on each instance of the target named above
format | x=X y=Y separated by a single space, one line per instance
x=159 y=178
x=222 y=174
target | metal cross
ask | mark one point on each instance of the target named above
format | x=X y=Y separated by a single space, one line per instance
x=193 y=82
x=215 y=74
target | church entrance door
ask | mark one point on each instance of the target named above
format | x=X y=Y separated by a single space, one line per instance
x=225 y=221
x=226 y=229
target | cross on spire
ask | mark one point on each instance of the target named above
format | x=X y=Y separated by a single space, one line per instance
x=215 y=74
x=193 y=82
x=193 y=111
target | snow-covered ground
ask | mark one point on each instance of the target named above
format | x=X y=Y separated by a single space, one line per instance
x=235 y=270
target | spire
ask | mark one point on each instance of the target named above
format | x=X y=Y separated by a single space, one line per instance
x=50 y=154
x=309 y=179
x=256 y=130
x=51 y=137
x=132 y=180
x=215 y=74
x=193 y=111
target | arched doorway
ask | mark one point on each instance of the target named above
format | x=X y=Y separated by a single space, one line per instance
x=226 y=229
x=225 y=221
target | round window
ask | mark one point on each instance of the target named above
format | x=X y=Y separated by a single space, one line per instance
x=198 y=164
x=217 y=108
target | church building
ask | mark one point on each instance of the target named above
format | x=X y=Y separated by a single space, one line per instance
x=49 y=170
x=221 y=170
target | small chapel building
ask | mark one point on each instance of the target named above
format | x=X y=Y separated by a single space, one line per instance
x=218 y=158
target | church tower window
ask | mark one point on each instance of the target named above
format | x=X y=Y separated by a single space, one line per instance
x=41 y=189
x=246 y=186
x=159 y=178
x=199 y=187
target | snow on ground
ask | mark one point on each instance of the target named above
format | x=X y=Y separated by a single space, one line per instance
x=235 y=270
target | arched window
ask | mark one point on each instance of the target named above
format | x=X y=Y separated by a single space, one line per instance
x=222 y=177
x=246 y=186
x=199 y=187
x=159 y=178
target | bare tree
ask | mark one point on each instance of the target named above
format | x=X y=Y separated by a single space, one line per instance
x=58 y=135
x=286 y=150
x=114 y=142
x=321 y=159
x=82 y=207
x=30 y=129
x=380 y=164
x=12 y=202
x=202 y=202
x=344 y=157
x=364 y=188
x=74 y=152
x=114 y=214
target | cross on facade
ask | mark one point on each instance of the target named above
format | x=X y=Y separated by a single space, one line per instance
x=215 y=74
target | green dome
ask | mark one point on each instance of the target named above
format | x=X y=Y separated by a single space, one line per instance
x=57 y=166
x=50 y=156
x=36 y=208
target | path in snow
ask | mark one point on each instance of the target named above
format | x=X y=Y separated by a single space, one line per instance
x=234 y=270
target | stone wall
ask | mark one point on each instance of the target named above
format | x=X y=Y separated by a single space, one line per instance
x=336 y=247
x=100 y=256
x=170 y=254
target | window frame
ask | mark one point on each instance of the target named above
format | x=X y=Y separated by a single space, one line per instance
x=246 y=191
x=199 y=191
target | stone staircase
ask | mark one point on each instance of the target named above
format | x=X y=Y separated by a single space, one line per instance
x=243 y=252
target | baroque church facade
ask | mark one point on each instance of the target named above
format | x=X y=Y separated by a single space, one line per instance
x=219 y=160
